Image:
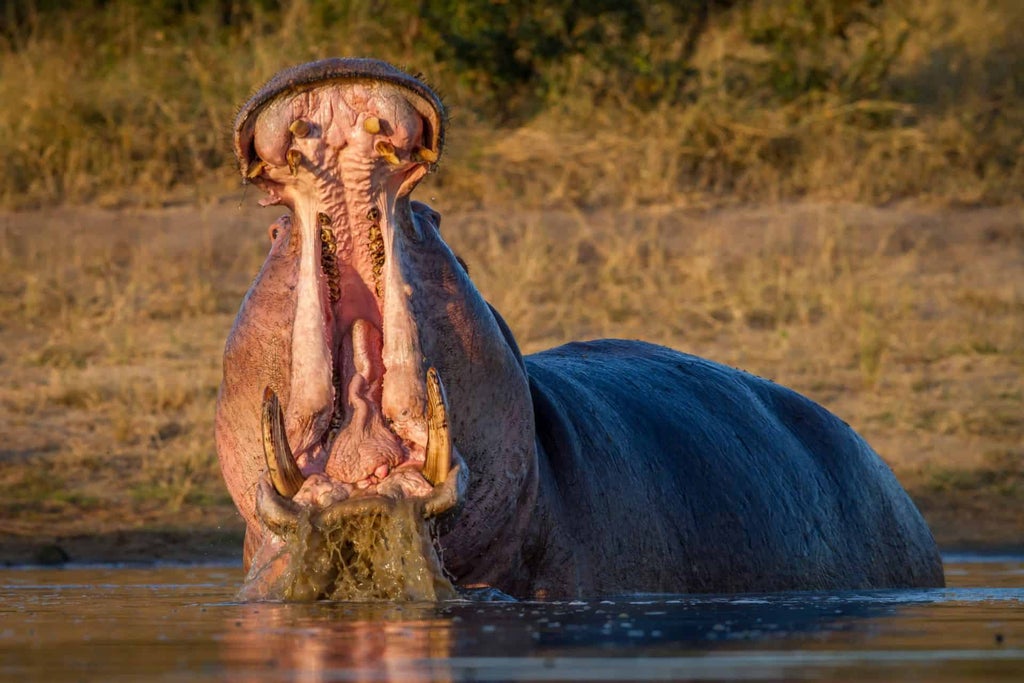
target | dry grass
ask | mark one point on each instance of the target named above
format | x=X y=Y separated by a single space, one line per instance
x=905 y=321
x=113 y=107
x=111 y=326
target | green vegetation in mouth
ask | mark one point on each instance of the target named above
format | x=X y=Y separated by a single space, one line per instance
x=383 y=553
x=126 y=102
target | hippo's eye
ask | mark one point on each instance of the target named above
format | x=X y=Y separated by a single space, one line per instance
x=272 y=232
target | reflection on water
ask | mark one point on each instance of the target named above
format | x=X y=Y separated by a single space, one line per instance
x=183 y=623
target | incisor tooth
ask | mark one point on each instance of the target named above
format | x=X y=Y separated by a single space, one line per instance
x=255 y=168
x=387 y=152
x=424 y=154
x=371 y=124
x=438 y=459
x=299 y=128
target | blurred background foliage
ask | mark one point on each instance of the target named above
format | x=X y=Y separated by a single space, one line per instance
x=117 y=102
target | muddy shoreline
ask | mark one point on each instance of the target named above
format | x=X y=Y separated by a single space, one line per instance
x=146 y=547
x=966 y=521
x=143 y=546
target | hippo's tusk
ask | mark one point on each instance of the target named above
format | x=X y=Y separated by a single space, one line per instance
x=448 y=495
x=284 y=472
x=294 y=158
x=299 y=128
x=438 y=460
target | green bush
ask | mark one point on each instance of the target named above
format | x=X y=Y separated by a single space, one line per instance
x=838 y=46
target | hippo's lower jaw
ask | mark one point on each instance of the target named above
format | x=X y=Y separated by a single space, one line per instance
x=276 y=499
x=437 y=484
x=374 y=540
x=367 y=547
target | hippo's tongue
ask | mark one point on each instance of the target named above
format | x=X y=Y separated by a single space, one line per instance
x=343 y=148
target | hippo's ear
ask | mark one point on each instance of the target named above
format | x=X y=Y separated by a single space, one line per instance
x=429 y=105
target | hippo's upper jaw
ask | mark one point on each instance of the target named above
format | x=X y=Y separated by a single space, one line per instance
x=341 y=147
x=358 y=412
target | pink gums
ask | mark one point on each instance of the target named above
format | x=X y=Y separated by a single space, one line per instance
x=355 y=417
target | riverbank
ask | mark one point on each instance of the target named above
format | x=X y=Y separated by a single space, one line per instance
x=907 y=321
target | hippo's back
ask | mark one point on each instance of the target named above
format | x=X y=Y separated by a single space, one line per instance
x=662 y=471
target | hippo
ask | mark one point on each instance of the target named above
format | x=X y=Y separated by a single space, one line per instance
x=366 y=377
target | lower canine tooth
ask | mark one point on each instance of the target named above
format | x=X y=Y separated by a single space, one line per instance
x=438 y=459
x=294 y=158
x=284 y=472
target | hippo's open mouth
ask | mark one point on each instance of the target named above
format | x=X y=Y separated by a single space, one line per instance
x=339 y=142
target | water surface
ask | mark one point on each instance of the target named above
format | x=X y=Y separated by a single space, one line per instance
x=183 y=623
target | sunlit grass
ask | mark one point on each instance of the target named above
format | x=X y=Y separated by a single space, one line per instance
x=117 y=107
x=906 y=322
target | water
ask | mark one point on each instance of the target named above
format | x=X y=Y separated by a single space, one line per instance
x=183 y=623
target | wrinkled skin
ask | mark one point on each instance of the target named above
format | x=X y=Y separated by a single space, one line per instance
x=590 y=469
